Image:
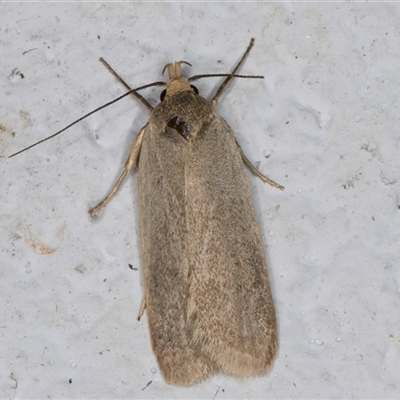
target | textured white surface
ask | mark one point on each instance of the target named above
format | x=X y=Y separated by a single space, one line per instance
x=324 y=123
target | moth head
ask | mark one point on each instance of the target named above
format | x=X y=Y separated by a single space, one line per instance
x=176 y=83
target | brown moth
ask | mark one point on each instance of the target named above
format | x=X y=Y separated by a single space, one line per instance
x=207 y=292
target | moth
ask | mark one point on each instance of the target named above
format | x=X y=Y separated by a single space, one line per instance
x=207 y=291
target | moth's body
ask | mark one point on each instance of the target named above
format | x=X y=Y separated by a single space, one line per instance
x=207 y=292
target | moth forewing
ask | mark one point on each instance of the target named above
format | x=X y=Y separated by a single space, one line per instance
x=164 y=234
x=231 y=313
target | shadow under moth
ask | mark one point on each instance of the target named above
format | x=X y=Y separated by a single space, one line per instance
x=207 y=292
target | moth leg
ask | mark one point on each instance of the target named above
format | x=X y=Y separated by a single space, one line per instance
x=229 y=79
x=136 y=95
x=131 y=162
x=142 y=308
x=256 y=172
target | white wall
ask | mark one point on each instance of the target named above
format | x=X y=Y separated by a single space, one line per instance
x=324 y=123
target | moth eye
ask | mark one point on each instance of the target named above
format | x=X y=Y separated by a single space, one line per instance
x=162 y=95
x=195 y=89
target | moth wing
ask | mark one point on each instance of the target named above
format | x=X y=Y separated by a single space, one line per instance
x=230 y=315
x=163 y=230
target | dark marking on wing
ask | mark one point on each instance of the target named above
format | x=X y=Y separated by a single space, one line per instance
x=179 y=125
